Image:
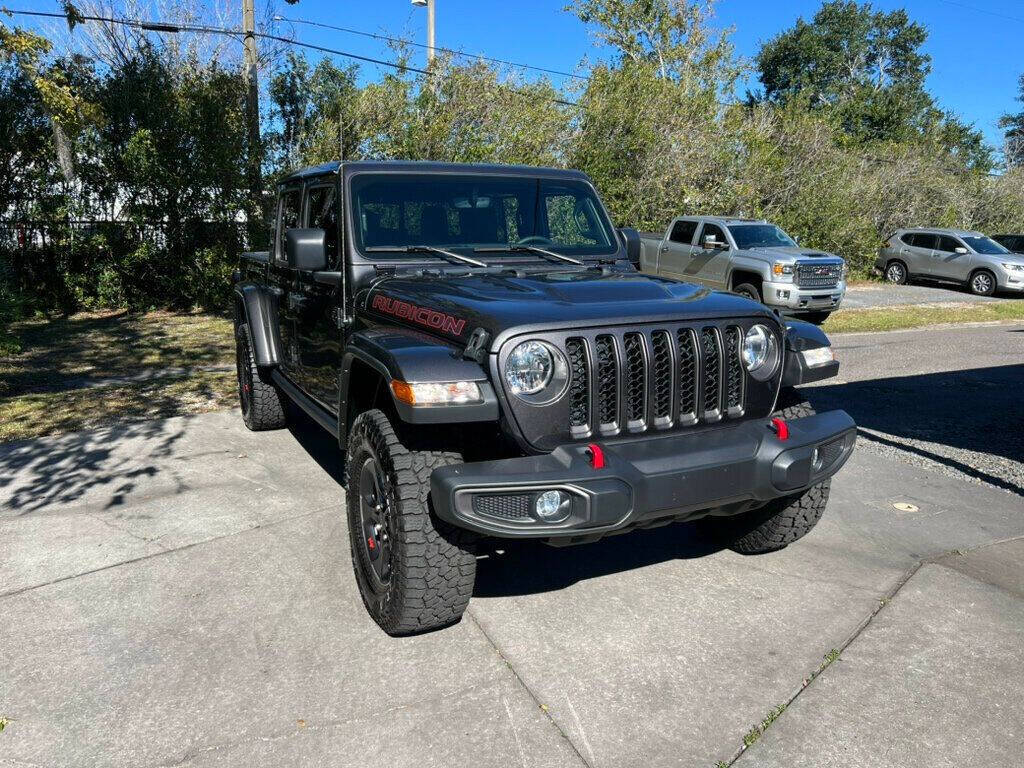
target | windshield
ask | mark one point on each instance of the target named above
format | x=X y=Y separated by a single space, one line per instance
x=466 y=212
x=759 y=236
x=984 y=245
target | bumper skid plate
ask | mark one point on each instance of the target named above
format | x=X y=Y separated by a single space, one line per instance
x=679 y=477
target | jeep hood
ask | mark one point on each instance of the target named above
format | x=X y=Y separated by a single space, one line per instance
x=504 y=304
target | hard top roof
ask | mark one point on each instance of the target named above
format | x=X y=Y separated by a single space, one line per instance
x=427 y=166
x=944 y=231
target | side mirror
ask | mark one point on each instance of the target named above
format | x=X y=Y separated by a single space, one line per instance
x=631 y=239
x=961 y=250
x=306 y=249
x=713 y=244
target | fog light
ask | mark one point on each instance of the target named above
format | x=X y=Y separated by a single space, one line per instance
x=552 y=506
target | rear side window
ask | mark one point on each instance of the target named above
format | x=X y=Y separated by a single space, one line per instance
x=920 y=240
x=682 y=232
x=949 y=244
x=289 y=217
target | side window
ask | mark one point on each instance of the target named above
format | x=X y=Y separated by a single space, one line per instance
x=288 y=217
x=712 y=230
x=949 y=244
x=322 y=213
x=923 y=240
x=682 y=232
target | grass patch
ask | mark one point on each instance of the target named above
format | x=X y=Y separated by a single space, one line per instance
x=900 y=318
x=73 y=373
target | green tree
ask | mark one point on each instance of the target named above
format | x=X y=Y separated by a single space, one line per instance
x=1013 y=125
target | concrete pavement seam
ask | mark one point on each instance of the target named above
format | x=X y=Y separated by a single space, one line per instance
x=529 y=691
x=165 y=551
x=865 y=622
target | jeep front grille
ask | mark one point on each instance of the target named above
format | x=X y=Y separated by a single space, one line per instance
x=818 y=275
x=654 y=379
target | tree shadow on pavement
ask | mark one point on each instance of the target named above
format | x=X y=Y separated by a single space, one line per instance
x=977 y=410
x=35 y=474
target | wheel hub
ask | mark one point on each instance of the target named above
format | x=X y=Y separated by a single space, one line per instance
x=374 y=516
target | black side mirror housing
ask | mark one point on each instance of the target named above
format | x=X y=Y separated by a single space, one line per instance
x=631 y=239
x=306 y=249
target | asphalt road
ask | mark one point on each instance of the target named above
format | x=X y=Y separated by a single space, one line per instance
x=179 y=592
x=885 y=295
x=947 y=398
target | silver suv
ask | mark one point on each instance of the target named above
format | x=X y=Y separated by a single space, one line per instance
x=957 y=255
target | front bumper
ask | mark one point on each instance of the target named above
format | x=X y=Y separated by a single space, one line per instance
x=646 y=482
x=1007 y=280
x=793 y=298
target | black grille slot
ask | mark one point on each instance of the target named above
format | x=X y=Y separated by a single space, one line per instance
x=661 y=371
x=712 y=371
x=636 y=378
x=687 y=376
x=579 y=386
x=504 y=507
x=733 y=372
x=607 y=381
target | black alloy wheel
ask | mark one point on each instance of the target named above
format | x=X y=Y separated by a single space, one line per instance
x=375 y=508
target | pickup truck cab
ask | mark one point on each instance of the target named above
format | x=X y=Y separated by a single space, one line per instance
x=479 y=343
x=751 y=257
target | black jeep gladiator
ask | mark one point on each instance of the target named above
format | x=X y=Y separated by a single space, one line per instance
x=492 y=364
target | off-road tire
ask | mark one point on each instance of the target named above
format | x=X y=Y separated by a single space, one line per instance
x=982 y=283
x=432 y=563
x=784 y=520
x=750 y=291
x=263 y=406
x=896 y=272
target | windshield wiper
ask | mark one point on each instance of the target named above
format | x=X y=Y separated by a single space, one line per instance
x=450 y=255
x=528 y=249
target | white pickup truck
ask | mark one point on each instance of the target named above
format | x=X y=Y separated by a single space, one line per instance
x=751 y=257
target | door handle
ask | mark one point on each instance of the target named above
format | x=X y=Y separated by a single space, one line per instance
x=664 y=249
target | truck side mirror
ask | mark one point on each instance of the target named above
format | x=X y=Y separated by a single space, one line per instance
x=712 y=243
x=631 y=239
x=306 y=249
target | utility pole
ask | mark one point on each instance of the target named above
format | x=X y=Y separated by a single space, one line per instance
x=254 y=169
x=430 y=27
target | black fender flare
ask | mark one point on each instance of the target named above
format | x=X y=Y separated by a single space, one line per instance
x=400 y=354
x=257 y=306
x=800 y=337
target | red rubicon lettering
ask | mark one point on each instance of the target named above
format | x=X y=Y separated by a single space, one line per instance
x=425 y=316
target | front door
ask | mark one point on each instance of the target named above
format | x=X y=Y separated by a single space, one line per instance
x=710 y=263
x=949 y=264
x=676 y=250
x=317 y=327
x=289 y=216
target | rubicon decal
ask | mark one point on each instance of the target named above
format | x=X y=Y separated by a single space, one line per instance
x=431 y=318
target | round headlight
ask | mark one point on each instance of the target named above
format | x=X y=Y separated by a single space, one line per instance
x=760 y=352
x=529 y=368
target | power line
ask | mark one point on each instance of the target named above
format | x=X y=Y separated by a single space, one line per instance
x=160 y=26
x=451 y=51
x=982 y=10
x=176 y=28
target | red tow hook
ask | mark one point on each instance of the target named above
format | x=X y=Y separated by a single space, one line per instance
x=371 y=543
x=780 y=428
x=596 y=456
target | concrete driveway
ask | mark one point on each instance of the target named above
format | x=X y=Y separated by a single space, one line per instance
x=179 y=593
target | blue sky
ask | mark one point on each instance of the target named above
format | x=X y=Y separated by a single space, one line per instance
x=975 y=45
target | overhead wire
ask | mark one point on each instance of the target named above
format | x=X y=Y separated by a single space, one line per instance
x=161 y=26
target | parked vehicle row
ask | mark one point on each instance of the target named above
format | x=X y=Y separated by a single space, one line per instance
x=751 y=257
x=480 y=344
x=981 y=263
